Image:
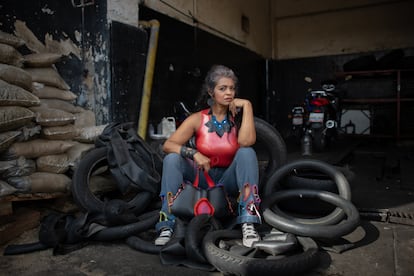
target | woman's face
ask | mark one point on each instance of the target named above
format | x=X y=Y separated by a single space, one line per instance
x=224 y=91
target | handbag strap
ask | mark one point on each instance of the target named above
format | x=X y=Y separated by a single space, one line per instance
x=210 y=181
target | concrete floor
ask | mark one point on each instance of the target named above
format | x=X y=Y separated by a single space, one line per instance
x=380 y=248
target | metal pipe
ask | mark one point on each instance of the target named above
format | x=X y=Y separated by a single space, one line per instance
x=148 y=78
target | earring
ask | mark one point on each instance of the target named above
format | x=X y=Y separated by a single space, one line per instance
x=210 y=102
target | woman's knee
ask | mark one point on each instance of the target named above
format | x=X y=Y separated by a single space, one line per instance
x=246 y=152
x=172 y=158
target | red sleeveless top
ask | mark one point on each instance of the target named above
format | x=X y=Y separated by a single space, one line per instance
x=220 y=150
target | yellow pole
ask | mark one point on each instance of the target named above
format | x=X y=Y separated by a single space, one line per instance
x=149 y=73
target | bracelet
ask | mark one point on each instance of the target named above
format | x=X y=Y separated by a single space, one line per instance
x=188 y=152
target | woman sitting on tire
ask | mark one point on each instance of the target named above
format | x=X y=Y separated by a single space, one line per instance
x=223 y=149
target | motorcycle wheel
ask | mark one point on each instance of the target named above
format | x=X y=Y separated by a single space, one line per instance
x=319 y=140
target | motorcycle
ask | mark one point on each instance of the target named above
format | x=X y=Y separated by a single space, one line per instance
x=322 y=116
x=315 y=122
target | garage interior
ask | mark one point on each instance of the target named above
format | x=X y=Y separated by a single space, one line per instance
x=366 y=47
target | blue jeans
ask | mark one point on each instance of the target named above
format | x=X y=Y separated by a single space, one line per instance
x=239 y=180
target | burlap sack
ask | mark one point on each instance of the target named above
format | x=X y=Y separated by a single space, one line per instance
x=15 y=75
x=13 y=117
x=7 y=138
x=61 y=105
x=57 y=163
x=39 y=147
x=9 y=55
x=89 y=134
x=48 y=76
x=66 y=132
x=77 y=152
x=49 y=117
x=41 y=59
x=49 y=92
x=11 y=39
x=14 y=95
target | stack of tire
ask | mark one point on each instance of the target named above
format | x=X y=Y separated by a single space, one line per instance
x=43 y=134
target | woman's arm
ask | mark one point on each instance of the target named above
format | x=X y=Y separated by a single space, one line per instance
x=182 y=135
x=247 y=131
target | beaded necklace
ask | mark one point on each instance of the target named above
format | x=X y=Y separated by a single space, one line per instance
x=219 y=127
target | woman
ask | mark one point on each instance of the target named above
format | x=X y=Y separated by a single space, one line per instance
x=223 y=149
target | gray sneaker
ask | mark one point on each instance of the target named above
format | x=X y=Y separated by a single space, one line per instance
x=250 y=234
x=164 y=237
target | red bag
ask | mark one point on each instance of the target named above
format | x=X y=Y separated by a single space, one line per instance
x=190 y=200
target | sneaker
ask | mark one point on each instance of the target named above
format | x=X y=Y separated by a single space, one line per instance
x=164 y=237
x=250 y=234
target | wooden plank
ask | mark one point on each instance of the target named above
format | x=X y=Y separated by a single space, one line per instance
x=21 y=221
x=6 y=208
x=34 y=196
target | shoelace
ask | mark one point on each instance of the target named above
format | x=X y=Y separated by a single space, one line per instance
x=166 y=233
x=249 y=231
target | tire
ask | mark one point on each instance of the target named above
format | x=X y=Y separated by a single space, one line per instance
x=229 y=262
x=125 y=231
x=95 y=163
x=270 y=149
x=333 y=231
x=319 y=140
x=275 y=181
x=196 y=230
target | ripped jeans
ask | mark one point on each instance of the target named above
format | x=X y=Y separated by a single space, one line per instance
x=239 y=180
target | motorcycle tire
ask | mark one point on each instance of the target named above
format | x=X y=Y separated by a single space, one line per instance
x=319 y=140
x=95 y=163
x=230 y=263
x=274 y=184
x=270 y=149
x=331 y=232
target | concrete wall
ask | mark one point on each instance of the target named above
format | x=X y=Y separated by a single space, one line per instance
x=285 y=29
x=224 y=19
x=304 y=28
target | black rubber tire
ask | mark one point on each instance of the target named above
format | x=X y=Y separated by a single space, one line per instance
x=319 y=140
x=274 y=184
x=196 y=230
x=270 y=149
x=311 y=230
x=142 y=245
x=93 y=161
x=228 y=262
x=125 y=231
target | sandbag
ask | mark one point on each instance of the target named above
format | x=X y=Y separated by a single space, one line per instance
x=9 y=55
x=13 y=117
x=76 y=153
x=42 y=182
x=15 y=75
x=61 y=105
x=14 y=95
x=41 y=59
x=11 y=39
x=48 y=76
x=57 y=163
x=90 y=134
x=17 y=167
x=66 y=132
x=39 y=147
x=50 y=117
x=85 y=118
x=6 y=189
x=49 y=92
x=7 y=138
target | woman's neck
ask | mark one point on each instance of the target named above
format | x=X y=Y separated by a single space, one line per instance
x=219 y=111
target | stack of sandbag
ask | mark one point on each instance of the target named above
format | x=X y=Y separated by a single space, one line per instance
x=43 y=134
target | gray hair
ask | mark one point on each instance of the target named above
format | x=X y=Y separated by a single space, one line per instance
x=215 y=74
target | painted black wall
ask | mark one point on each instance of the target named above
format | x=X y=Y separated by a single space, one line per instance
x=185 y=54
